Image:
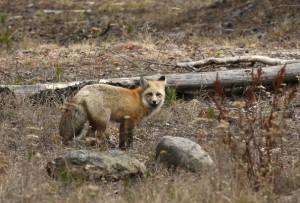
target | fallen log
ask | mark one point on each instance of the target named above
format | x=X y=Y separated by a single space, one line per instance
x=181 y=82
x=230 y=78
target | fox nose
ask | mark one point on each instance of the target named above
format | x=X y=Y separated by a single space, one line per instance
x=154 y=102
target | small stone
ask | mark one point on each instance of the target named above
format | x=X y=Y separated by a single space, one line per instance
x=181 y=152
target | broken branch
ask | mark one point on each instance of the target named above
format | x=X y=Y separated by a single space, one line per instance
x=236 y=59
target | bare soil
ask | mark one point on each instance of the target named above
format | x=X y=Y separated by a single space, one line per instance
x=58 y=41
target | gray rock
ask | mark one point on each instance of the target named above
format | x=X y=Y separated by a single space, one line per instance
x=181 y=152
x=105 y=165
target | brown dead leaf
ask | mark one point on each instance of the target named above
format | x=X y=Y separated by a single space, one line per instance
x=56 y=138
x=3 y=165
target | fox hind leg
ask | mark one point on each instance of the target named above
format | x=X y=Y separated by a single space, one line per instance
x=98 y=123
x=122 y=136
x=126 y=133
x=98 y=118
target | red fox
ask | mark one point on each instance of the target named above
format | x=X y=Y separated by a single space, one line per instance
x=99 y=103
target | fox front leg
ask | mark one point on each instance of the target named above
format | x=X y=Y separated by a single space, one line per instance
x=126 y=133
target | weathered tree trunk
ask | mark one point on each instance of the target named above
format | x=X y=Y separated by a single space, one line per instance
x=182 y=82
x=230 y=78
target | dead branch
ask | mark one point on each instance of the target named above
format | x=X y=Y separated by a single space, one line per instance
x=124 y=57
x=236 y=59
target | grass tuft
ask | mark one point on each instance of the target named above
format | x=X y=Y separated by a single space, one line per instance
x=171 y=95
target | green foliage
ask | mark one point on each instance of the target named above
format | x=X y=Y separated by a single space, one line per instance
x=211 y=113
x=202 y=39
x=30 y=154
x=171 y=95
x=5 y=33
x=218 y=53
x=69 y=177
x=58 y=73
x=130 y=29
x=5 y=38
x=31 y=82
x=18 y=81
x=3 y=18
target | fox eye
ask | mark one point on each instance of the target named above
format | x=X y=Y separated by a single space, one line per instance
x=158 y=94
x=150 y=94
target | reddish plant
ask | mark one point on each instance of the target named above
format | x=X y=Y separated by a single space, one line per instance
x=262 y=132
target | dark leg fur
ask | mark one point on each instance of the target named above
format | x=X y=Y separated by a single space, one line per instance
x=122 y=137
x=126 y=133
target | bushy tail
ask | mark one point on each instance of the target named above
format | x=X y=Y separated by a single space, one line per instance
x=72 y=121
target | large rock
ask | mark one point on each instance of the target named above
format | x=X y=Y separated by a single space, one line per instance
x=181 y=152
x=105 y=165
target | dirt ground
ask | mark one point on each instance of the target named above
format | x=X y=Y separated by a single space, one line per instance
x=64 y=40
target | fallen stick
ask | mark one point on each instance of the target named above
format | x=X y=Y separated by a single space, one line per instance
x=236 y=59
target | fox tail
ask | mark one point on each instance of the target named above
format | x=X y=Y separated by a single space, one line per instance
x=72 y=121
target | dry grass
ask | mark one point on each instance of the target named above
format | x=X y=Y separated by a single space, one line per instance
x=27 y=144
x=176 y=31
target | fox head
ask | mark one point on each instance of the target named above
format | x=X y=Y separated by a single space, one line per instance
x=153 y=94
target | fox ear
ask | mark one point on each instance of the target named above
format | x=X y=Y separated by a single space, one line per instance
x=163 y=79
x=144 y=83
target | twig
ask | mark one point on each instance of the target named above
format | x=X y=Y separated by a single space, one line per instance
x=284 y=5
x=125 y=58
x=6 y=74
x=106 y=30
x=13 y=34
x=161 y=64
x=190 y=68
x=193 y=69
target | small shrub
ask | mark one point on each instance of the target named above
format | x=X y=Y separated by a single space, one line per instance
x=3 y=18
x=5 y=38
x=6 y=35
x=171 y=95
x=257 y=131
x=130 y=29
x=70 y=177
x=31 y=82
x=30 y=154
x=59 y=73
x=211 y=113
x=218 y=53
x=18 y=81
